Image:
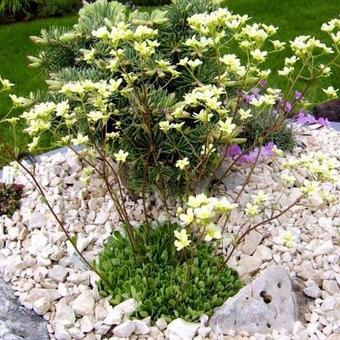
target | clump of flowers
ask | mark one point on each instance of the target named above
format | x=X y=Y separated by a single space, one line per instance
x=202 y=214
x=175 y=108
x=258 y=154
x=307 y=119
x=314 y=175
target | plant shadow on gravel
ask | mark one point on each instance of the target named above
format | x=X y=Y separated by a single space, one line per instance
x=160 y=280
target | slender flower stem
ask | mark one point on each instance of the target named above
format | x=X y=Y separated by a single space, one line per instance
x=46 y=201
x=254 y=227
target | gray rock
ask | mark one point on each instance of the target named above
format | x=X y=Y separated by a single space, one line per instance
x=331 y=286
x=248 y=265
x=17 y=322
x=312 y=291
x=263 y=253
x=37 y=220
x=251 y=241
x=267 y=303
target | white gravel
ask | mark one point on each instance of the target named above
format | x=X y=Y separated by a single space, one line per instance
x=48 y=277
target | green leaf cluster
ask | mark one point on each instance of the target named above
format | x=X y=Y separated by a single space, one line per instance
x=166 y=283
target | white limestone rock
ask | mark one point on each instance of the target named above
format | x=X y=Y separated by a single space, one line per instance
x=86 y=324
x=64 y=315
x=101 y=217
x=141 y=327
x=324 y=248
x=248 y=265
x=41 y=306
x=328 y=304
x=125 y=329
x=331 y=286
x=37 y=220
x=38 y=242
x=182 y=329
x=204 y=331
x=61 y=333
x=58 y=273
x=161 y=324
x=127 y=307
x=84 y=304
x=263 y=253
x=267 y=303
x=48 y=294
x=114 y=317
x=251 y=241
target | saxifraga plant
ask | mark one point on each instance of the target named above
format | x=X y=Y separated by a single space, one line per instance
x=160 y=281
x=161 y=88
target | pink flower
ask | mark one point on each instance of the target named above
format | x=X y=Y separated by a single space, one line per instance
x=265 y=152
x=305 y=118
x=298 y=95
x=324 y=122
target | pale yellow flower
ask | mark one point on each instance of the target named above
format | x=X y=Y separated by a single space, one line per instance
x=252 y=210
x=212 y=233
x=182 y=163
x=331 y=92
x=182 y=239
x=121 y=156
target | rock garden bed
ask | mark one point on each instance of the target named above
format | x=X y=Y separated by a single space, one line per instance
x=48 y=277
x=202 y=202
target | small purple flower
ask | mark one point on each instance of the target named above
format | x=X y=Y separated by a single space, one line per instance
x=233 y=151
x=324 y=122
x=249 y=97
x=298 y=95
x=305 y=118
x=263 y=83
x=287 y=106
x=268 y=149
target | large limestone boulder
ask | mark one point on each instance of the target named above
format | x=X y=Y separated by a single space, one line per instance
x=17 y=322
x=266 y=304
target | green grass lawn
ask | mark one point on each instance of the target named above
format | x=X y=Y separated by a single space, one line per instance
x=294 y=17
x=15 y=46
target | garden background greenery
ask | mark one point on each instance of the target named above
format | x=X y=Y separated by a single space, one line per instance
x=292 y=17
